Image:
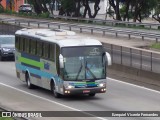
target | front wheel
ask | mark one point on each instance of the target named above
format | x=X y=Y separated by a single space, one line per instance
x=53 y=89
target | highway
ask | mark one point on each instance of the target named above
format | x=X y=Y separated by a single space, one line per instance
x=120 y=96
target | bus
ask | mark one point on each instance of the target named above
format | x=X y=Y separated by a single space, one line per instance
x=61 y=61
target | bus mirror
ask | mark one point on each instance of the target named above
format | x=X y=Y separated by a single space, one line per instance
x=108 y=56
x=61 y=61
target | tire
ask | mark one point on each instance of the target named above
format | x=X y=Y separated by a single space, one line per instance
x=29 y=84
x=1 y=58
x=53 y=89
x=92 y=94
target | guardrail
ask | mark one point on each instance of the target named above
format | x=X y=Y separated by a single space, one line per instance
x=128 y=56
x=87 y=28
x=109 y=22
x=134 y=57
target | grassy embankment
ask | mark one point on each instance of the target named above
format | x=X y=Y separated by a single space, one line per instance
x=156 y=46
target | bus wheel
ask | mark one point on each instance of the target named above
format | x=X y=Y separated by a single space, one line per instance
x=53 y=88
x=29 y=85
x=92 y=94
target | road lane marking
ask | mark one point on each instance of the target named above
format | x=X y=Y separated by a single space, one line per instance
x=142 y=87
x=101 y=118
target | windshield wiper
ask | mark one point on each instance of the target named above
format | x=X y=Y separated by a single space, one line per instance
x=80 y=69
x=90 y=71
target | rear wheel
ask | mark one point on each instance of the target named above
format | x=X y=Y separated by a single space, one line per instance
x=29 y=84
x=53 y=89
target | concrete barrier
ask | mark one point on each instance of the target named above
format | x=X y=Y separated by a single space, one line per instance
x=133 y=74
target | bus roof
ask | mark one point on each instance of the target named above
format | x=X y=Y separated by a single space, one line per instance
x=63 y=38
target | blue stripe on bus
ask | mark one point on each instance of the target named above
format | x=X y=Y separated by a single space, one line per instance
x=36 y=72
x=25 y=55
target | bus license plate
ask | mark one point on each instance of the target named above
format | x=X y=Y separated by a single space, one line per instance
x=86 y=91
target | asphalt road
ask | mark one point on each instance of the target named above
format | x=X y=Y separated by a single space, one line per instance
x=14 y=95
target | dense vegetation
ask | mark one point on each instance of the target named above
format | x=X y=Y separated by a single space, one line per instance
x=118 y=9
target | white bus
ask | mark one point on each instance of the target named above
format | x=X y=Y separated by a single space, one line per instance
x=61 y=61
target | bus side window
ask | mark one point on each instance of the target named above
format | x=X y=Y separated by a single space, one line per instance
x=39 y=48
x=17 y=43
x=57 y=59
x=52 y=52
x=46 y=50
x=33 y=47
x=26 y=48
x=21 y=44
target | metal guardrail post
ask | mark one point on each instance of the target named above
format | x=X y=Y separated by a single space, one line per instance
x=103 y=33
x=48 y=25
x=151 y=62
x=19 y=23
x=121 y=55
x=80 y=30
x=129 y=36
x=59 y=27
x=142 y=37
x=131 y=57
x=112 y=52
x=156 y=40
x=116 y=34
x=91 y=31
x=70 y=28
x=38 y=25
x=28 y=24
x=141 y=59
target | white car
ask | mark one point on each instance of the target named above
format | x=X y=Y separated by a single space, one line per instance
x=25 y=8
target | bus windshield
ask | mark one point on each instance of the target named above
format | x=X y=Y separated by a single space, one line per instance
x=84 y=63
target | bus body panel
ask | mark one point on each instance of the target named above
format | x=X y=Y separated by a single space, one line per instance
x=42 y=70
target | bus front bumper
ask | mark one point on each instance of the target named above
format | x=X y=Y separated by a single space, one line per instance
x=77 y=91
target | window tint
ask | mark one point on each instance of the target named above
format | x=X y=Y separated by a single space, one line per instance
x=52 y=52
x=17 y=43
x=21 y=44
x=33 y=47
x=26 y=48
x=46 y=50
x=57 y=59
x=39 y=48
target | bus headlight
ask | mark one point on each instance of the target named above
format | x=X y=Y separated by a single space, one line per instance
x=70 y=86
x=102 y=85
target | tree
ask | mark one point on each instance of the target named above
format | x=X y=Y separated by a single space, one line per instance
x=72 y=8
x=40 y=5
x=156 y=15
x=137 y=9
x=115 y=6
x=1 y=7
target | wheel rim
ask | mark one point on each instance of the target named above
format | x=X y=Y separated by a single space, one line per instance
x=28 y=82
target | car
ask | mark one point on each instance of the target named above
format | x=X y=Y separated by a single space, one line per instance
x=25 y=8
x=7 y=46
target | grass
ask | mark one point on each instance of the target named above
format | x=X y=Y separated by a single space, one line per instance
x=156 y=46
